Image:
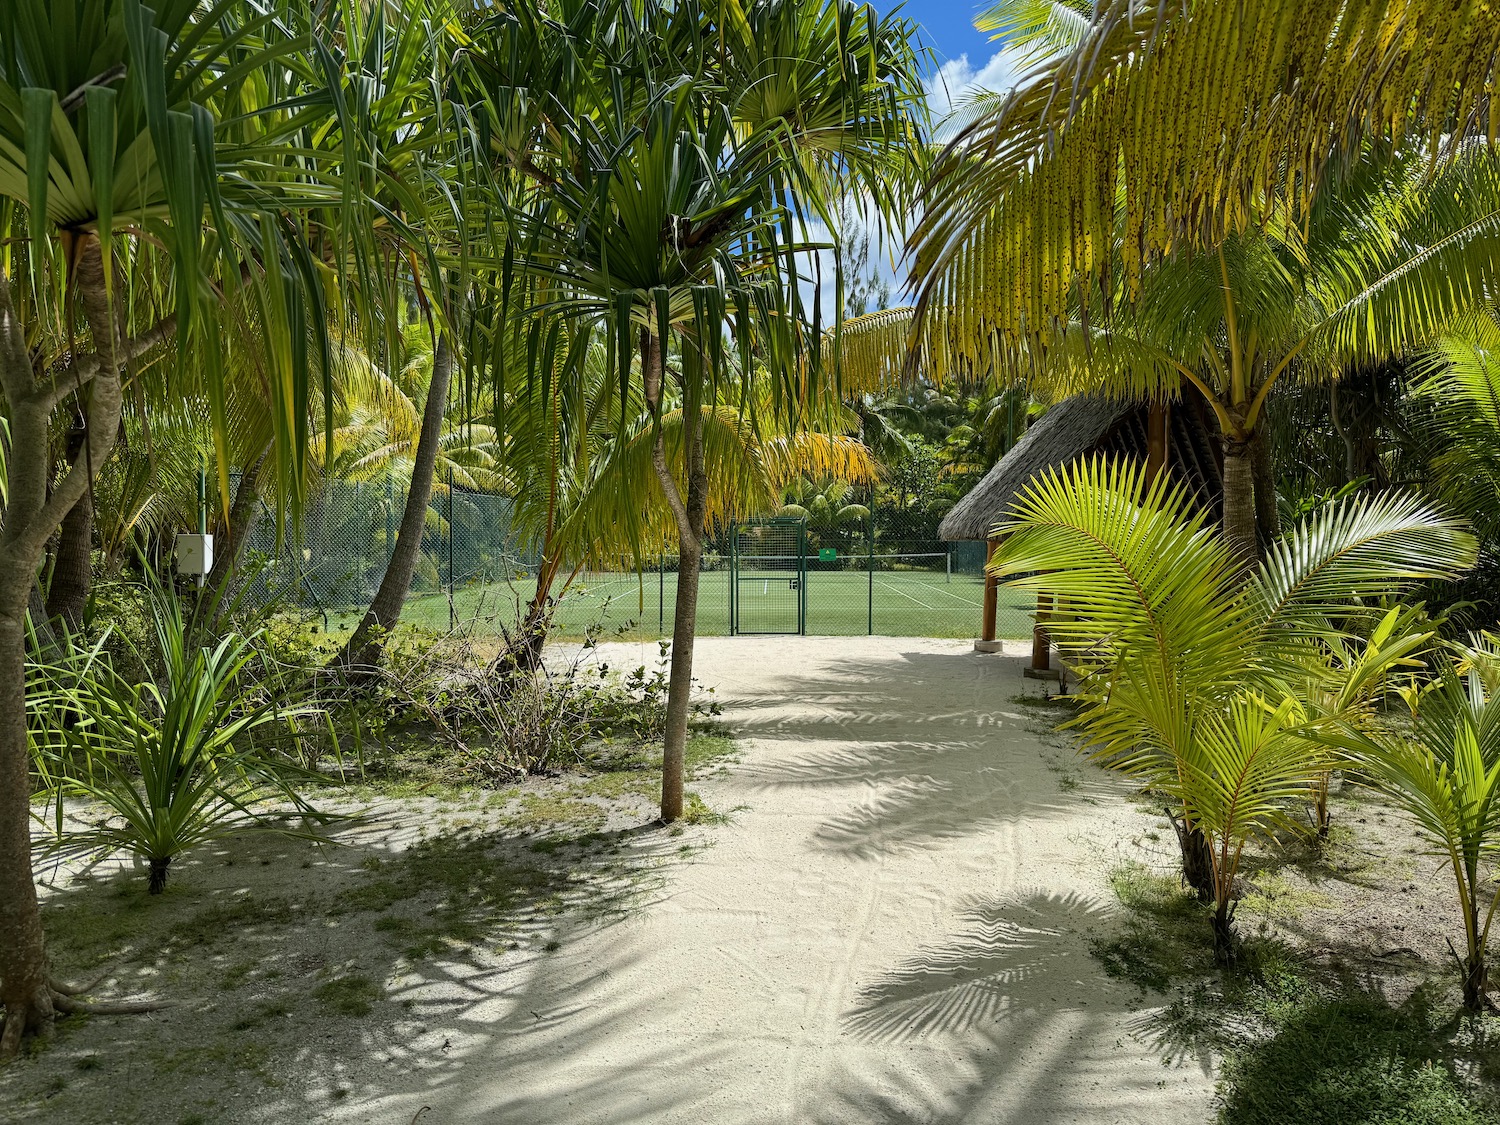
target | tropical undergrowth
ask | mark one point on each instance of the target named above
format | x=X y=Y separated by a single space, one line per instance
x=1296 y=1037
x=439 y=701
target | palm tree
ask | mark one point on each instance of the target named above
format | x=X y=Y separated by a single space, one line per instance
x=1388 y=256
x=380 y=433
x=1445 y=773
x=1459 y=380
x=154 y=161
x=1096 y=204
x=825 y=504
x=670 y=209
x=1220 y=691
x=1181 y=125
x=582 y=478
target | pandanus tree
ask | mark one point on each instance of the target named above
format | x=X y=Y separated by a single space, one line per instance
x=158 y=165
x=1187 y=161
x=1222 y=692
x=668 y=208
x=581 y=470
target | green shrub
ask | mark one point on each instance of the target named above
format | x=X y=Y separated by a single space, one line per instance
x=174 y=763
x=1346 y=1060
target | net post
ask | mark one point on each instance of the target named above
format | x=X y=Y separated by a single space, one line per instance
x=661 y=590
x=870 y=567
x=949 y=560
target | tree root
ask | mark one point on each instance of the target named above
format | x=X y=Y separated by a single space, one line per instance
x=35 y=1016
x=59 y=998
x=107 y=1007
x=77 y=989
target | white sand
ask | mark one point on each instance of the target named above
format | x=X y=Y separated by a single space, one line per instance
x=893 y=928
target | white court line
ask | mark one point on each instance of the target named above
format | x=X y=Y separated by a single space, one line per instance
x=934 y=588
x=907 y=596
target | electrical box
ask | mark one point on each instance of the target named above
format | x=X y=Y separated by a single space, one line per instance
x=195 y=553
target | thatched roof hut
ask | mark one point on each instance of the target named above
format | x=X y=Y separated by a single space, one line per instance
x=1183 y=436
x=1080 y=427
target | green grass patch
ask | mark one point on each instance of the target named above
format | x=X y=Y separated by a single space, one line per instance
x=352 y=995
x=1350 y=1058
x=1162 y=934
x=1278 y=898
x=472 y=882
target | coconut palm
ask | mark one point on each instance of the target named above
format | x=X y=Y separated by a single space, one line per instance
x=1459 y=379
x=825 y=504
x=582 y=477
x=1444 y=772
x=1387 y=255
x=1181 y=124
x=1217 y=690
x=1095 y=204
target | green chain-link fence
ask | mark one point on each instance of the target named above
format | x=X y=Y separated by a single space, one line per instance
x=881 y=571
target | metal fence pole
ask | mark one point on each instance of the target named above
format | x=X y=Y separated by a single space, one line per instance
x=452 y=616
x=949 y=561
x=661 y=591
x=870 y=564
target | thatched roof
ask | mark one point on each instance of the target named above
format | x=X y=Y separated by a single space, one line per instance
x=1064 y=433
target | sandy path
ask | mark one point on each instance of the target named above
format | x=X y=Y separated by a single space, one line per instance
x=893 y=927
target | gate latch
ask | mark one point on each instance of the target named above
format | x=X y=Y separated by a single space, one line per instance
x=792 y=582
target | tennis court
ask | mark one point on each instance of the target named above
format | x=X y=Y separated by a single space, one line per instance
x=902 y=603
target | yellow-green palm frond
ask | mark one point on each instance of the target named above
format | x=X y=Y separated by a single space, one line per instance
x=1362 y=547
x=1135 y=565
x=804 y=454
x=1171 y=128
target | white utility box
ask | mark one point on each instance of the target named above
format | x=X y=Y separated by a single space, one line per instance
x=195 y=553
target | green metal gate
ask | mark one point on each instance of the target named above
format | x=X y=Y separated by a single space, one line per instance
x=768 y=576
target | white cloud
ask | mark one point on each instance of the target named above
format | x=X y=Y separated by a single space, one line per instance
x=953 y=83
x=957 y=79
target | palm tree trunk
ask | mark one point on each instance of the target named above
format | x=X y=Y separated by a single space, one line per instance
x=1263 y=472
x=1476 y=972
x=1197 y=858
x=523 y=651
x=363 y=651
x=73 y=569
x=243 y=510
x=1226 y=945
x=690 y=515
x=1239 y=502
x=31 y=517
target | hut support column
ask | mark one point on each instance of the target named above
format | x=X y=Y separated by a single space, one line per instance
x=987 y=641
x=1041 y=643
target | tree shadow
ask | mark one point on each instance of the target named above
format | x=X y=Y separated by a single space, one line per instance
x=1009 y=951
x=370 y=978
x=933 y=749
x=1026 y=1029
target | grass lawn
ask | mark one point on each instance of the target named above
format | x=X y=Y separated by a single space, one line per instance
x=906 y=604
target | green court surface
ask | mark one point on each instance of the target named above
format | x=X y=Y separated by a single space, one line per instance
x=838 y=603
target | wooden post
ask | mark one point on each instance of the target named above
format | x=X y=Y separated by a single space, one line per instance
x=991 y=594
x=1041 y=643
x=1158 y=421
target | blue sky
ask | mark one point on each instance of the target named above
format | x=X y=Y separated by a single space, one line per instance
x=949 y=28
x=964 y=59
